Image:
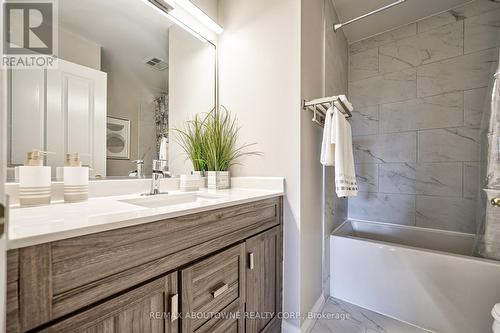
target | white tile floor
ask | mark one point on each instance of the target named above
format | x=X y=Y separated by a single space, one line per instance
x=342 y=317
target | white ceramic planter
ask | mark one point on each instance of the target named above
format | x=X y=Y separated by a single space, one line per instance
x=203 y=178
x=189 y=183
x=219 y=180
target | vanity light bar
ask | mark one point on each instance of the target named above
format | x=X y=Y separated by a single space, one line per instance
x=168 y=5
x=200 y=15
x=155 y=5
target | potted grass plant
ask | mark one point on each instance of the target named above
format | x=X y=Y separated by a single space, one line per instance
x=210 y=141
x=220 y=147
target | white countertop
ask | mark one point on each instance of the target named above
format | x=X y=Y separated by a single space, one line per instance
x=37 y=225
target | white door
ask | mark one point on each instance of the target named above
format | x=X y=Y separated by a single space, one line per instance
x=76 y=115
x=27 y=114
x=60 y=110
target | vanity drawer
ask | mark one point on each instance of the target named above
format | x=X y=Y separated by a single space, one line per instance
x=228 y=322
x=211 y=285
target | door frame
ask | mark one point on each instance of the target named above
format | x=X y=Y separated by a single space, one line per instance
x=3 y=177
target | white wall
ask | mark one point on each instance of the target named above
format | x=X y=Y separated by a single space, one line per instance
x=79 y=50
x=311 y=171
x=209 y=7
x=192 y=88
x=132 y=88
x=259 y=60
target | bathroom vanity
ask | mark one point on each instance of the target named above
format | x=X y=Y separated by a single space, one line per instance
x=121 y=262
x=199 y=268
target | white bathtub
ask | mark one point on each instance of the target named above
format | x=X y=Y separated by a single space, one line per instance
x=421 y=276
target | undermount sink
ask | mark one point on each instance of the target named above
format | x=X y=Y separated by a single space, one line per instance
x=164 y=200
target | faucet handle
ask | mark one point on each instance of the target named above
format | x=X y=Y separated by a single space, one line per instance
x=160 y=165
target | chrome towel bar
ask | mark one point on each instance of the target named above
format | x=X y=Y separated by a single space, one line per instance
x=320 y=106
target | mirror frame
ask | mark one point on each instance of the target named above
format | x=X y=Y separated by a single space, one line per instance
x=4 y=99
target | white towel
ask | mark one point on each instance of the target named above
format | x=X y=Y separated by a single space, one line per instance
x=345 y=175
x=327 y=148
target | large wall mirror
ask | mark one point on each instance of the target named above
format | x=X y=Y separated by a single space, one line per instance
x=127 y=76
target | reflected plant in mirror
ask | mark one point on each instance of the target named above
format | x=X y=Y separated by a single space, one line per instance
x=161 y=119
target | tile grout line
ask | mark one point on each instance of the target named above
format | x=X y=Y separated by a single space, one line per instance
x=422 y=65
x=415 y=210
x=463 y=180
x=422 y=97
x=471 y=127
x=463 y=37
x=419 y=195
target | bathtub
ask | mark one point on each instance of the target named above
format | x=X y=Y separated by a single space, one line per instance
x=424 y=277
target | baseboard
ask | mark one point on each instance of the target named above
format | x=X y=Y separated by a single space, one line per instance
x=308 y=324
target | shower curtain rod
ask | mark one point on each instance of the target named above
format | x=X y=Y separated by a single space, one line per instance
x=340 y=25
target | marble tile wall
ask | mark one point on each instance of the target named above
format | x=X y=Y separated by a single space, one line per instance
x=419 y=93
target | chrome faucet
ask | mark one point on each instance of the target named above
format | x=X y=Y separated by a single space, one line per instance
x=139 y=171
x=160 y=168
x=158 y=173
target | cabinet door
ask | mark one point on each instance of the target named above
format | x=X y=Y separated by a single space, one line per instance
x=152 y=308
x=263 y=281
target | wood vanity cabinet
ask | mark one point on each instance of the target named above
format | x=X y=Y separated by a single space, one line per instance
x=140 y=310
x=213 y=266
x=263 y=281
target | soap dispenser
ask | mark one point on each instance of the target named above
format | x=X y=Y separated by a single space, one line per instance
x=76 y=179
x=34 y=180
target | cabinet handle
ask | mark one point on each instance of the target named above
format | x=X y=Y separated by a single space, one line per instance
x=221 y=290
x=2 y=219
x=495 y=202
x=174 y=307
x=251 y=262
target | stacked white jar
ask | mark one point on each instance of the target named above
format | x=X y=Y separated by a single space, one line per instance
x=34 y=180
x=76 y=179
x=190 y=183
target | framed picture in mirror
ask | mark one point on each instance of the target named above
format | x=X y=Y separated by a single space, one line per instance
x=117 y=138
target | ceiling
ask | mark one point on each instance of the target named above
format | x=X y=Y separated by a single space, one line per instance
x=399 y=15
x=126 y=27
